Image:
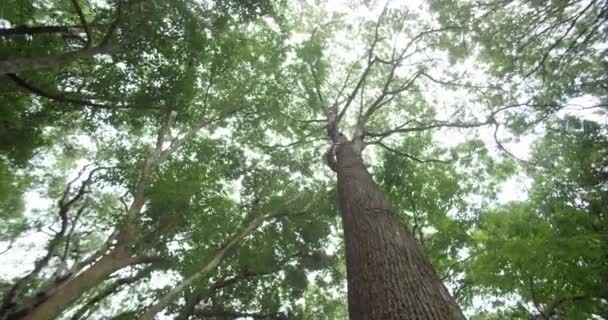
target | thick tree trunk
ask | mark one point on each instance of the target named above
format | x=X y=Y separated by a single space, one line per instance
x=64 y=294
x=389 y=276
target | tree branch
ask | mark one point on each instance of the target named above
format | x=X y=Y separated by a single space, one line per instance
x=109 y=290
x=220 y=255
x=61 y=97
x=18 y=65
x=65 y=205
x=219 y=312
x=411 y=157
x=19 y=30
x=83 y=22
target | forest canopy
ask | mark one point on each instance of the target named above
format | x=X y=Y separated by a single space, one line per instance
x=243 y=159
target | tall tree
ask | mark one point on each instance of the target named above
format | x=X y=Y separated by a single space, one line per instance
x=389 y=275
x=188 y=87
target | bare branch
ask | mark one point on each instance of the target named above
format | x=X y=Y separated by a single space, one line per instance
x=435 y=124
x=114 y=25
x=450 y=268
x=9 y=247
x=339 y=99
x=353 y=94
x=502 y=147
x=380 y=101
x=371 y=60
x=451 y=83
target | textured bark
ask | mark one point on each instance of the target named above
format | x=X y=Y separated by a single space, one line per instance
x=389 y=276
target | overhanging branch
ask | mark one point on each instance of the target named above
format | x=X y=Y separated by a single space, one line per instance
x=411 y=157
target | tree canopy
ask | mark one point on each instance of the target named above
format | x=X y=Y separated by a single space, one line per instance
x=194 y=159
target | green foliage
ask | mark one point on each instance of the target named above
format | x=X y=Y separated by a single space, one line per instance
x=247 y=83
x=548 y=51
x=550 y=250
x=434 y=196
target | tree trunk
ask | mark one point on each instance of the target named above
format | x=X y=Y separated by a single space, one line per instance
x=64 y=294
x=389 y=276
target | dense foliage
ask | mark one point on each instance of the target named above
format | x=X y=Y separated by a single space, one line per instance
x=171 y=157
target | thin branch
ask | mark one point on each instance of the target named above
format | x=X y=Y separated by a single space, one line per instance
x=114 y=25
x=435 y=124
x=109 y=290
x=61 y=97
x=371 y=60
x=83 y=22
x=551 y=308
x=244 y=275
x=380 y=101
x=450 y=83
x=9 y=247
x=411 y=157
x=533 y=294
x=18 y=65
x=65 y=205
x=448 y=271
x=503 y=148
x=69 y=237
x=193 y=130
x=541 y=63
x=339 y=96
x=220 y=255
x=315 y=78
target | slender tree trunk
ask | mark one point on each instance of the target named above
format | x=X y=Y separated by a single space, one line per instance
x=389 y=276
x=64 y=294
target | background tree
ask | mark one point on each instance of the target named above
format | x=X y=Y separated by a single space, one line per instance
x=551 y=249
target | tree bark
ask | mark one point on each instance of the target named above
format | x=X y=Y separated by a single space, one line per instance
x=389 y=276
x=65 y=293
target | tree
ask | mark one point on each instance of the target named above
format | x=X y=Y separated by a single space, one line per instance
x=389 y=274
x=548 y=54
x=551 y=249
x=189 y=93
x=179 y=143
